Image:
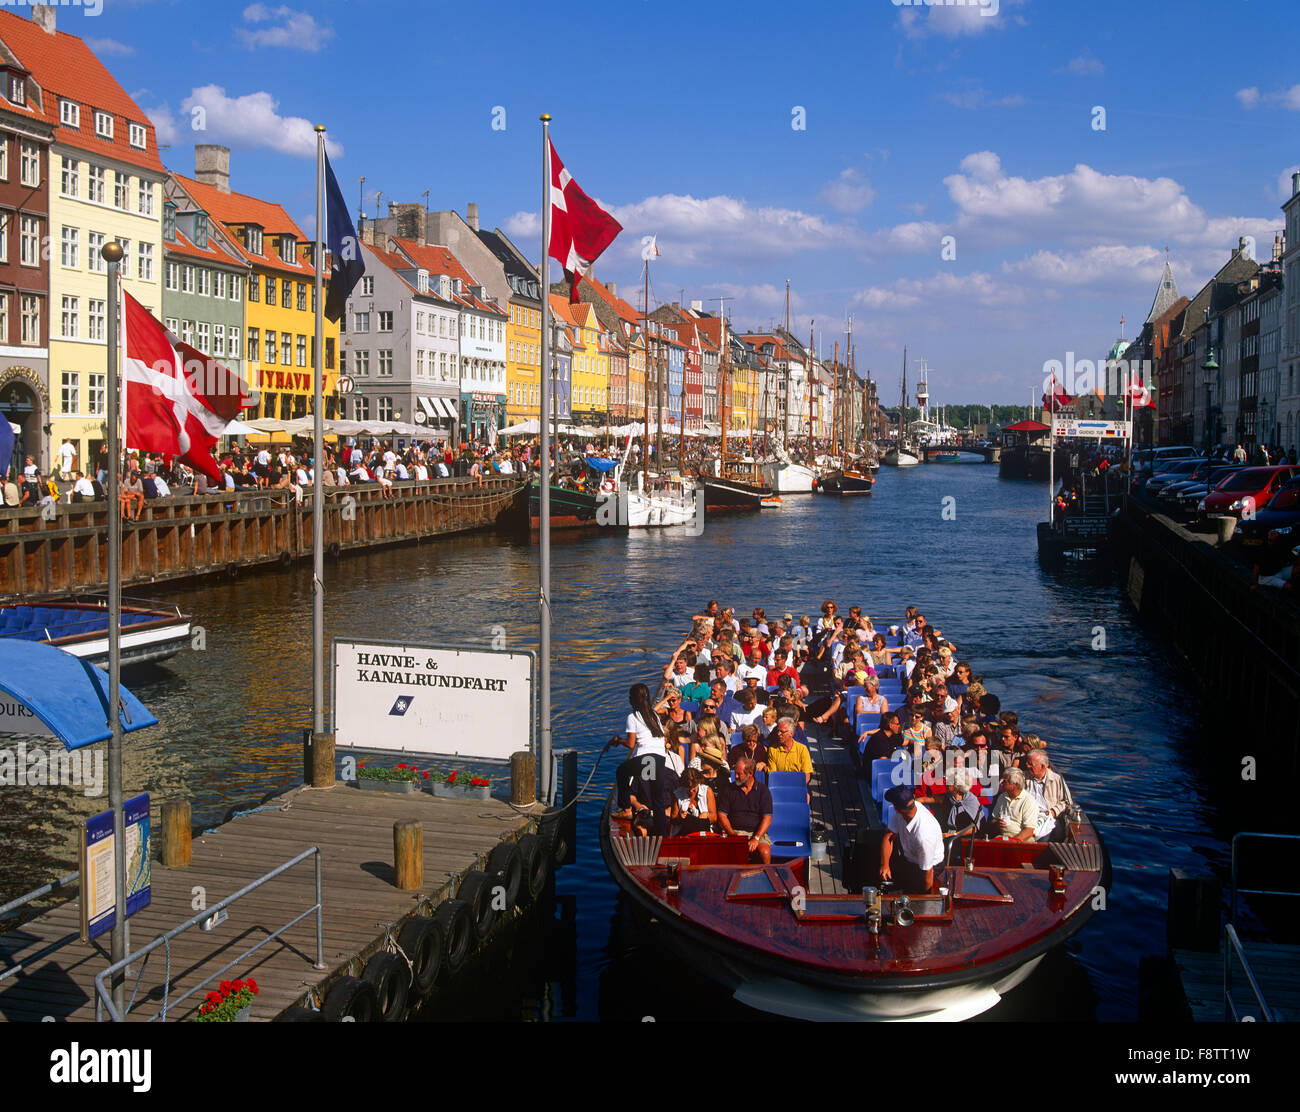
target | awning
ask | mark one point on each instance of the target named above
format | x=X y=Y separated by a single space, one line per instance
x=69 y=695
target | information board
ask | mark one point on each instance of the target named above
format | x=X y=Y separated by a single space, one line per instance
x=1096 y=430
x=15 y=718
x=98 y=882
x=421 y=699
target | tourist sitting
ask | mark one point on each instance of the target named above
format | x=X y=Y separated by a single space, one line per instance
x=872 y=702
x=674 y=755
x=694 y=808
x=746 y=810
x=947 y=730
x=958 y=809
x=1015 y=812
x=912 y=846
x=670 y=709
x=884 y=742
x=698 y=690
x=749 y=746
x=83 y=490
x=131 y=499
x=917 y=732
x=784 y=754
x=1051 y=795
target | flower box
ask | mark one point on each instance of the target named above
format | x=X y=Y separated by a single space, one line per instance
x=442 y=790
x=398 y=787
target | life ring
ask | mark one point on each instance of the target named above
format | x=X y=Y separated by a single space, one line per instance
x=391 y=980
x=608 y=485
x=506 y=869
x=536 y=865
x=476 y=890
x=457 y=924
x=350 y=999
x=420 y=939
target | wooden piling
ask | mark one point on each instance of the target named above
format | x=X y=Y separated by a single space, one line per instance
x=320 y=762
x=523 y=778
x=176 y=826
x=408 y=854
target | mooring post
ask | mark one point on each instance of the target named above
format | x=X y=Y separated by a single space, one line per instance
x=177 y=849
x=318 y=759
x=408 y=854
x=523 y=778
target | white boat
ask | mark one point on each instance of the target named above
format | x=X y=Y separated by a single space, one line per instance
x=668 y=501
x=904 y=453
x=901 y=457
x=80 y=626
x=788 y=478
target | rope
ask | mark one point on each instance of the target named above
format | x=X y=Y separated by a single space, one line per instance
x=250 y=811
x=523 y=810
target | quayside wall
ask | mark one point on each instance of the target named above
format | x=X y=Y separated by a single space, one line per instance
x=184 y=537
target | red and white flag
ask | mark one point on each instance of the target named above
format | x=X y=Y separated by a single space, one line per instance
x=177 y=401
x=1139 y=396
x=580 y=228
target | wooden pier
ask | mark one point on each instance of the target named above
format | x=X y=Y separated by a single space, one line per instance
x=183 y=537
x=363 y=909
x=1275 y=967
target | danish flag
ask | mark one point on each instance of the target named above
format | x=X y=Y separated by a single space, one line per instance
x=580 y=228
x=177 y=400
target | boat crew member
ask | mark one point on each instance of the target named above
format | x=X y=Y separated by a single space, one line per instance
x=1051 y=795
x=642 y=779
x=912 y=846
x=1015 y=813
x=746 y=810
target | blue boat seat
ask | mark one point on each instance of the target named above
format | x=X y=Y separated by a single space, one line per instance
x=792 y=780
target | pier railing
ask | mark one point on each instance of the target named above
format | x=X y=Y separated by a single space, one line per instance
x=13 y=907
x=1232 y=948
x=213 y=914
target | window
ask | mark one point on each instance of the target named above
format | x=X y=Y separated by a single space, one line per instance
x=173 y=276
x=29 y=253
x=205 y=282
x=71 y=317
x=288 y=249
x=97 y=176
x=419 y=322
x=201 y=230
x=385 y=322
x=367 y=286
x=70 y=395
x=68 y=251
x=69 y=113
x=386 y=362
x=302 y=297
x=96 y=320
x=121 y=188
x=236 y=281
x=270 y=347
x=30 y=168
x=4 y=158
x=253 y=240
x=362 y=407
x=17 y=90
x=385 y=410
x=98 y=395
x=145 y=200
x=302 y=351
x=254 y=342
x=205 y=337
x=218 y=340
x=95 y=245
x=363 y=363
x=253 y=287
x=104 y=125
x=286 y=349
x=68 y=180
x=286 y=294
x=270 y=291
x=144 y=263
x=187 y=279
x=220 y=283
x=419 y=363
x=139 y=136
x=329 y=353
x=4 y=318
x=169 y=222
x=187 y=332
x=361 y=322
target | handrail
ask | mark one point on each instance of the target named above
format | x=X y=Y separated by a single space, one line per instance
x=1232 y=917
x=103 y=998
x=1232 y=944
x=12 y=907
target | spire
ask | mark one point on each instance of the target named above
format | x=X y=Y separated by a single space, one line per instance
x=1166 y=294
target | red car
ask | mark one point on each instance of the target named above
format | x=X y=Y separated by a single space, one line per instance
x=1246 y=491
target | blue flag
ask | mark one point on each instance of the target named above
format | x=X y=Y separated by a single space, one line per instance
x=346 y=264
x=6 y=445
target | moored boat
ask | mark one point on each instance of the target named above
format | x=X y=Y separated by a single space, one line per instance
x=149 y=632
x=722 y=495
x=570 y=508
x=847 y=482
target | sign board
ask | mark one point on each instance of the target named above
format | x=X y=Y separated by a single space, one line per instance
x=98 y=883
x=1097 y=430
x=16 y=718
x=436 y=701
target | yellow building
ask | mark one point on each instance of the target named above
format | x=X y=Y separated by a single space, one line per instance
x=280 y=295
x=590 y=372
x=523 y=358
x=105 y=183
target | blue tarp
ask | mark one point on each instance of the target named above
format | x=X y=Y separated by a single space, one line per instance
x=601 y=465
x=66 y=693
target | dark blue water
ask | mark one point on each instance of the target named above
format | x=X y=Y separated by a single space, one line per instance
x=1122 y=722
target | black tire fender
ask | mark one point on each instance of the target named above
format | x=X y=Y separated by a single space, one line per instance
x=456 y=921
x=536 y=866
x=391 y=979
x=351 y=999
x=476 y=890
x=420 y=939
x=505 y=867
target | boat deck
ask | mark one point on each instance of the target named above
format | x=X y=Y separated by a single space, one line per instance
x=841 y=805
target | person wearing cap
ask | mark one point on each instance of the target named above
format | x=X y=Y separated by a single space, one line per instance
x=746 y=810
x=912 y=846
x=947 y=729
x=1015 y=812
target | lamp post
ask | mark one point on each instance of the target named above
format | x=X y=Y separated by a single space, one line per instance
x=1209 y=372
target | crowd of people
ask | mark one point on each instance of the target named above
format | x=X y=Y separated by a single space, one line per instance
x=739 y=694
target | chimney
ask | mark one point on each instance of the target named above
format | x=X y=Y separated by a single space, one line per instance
x=613 y=289
x=212 y=165
x=697 y=306
x=1295 y=183
x=471 y=215
x=44 y=15
x=1241 y=246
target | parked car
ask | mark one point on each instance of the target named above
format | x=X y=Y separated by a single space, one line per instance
x=1185 y=495
x=1147 y=461
x=1268 y=537
x=1244 y=491
x=1172 y=472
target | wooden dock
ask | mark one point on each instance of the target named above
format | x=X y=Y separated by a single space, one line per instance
x=1276 y=969
x=184 y=537
x=354 y=831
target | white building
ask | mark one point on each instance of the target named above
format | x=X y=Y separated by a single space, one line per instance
x=1288 y=403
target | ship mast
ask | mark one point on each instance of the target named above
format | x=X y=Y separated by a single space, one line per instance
x=810 y=393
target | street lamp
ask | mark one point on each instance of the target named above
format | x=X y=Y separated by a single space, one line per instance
x=1209 y=372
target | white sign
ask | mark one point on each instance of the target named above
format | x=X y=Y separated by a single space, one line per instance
x=420 y=699
x=15 y=718
x=1097 y=430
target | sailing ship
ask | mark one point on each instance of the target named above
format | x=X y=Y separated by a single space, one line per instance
x=846 y=479
x=903 y=453
x=735 y=485
x=782 y=473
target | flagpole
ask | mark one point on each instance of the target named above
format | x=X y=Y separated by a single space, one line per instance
x=112 y=254
x=544 y=492
x=318 y=462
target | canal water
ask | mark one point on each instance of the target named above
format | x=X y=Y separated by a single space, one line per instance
x=1060 y=648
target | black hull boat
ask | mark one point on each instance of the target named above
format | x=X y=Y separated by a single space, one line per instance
x=570 y=509
x=732 y=495
x=847 y=482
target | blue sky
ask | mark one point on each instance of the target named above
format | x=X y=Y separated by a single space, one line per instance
x=920 y=122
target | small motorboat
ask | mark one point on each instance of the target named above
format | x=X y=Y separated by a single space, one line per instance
x=149 y=631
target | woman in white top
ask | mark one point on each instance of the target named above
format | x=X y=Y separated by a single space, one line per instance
x=695 y=808
x=643 y=780
x=645 y=733
x=872 y=702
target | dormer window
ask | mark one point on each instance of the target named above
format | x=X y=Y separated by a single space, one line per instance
x=104 y=125
x=169 y=221
x=201 y=230
x=17 y=90
x=253 y=240
x=422 y=281
x=69 y=113
x=139 y=136
x=289 y=249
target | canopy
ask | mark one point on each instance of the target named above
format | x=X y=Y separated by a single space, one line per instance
x=601 y=465
x=68 y=694
x=1025 y=426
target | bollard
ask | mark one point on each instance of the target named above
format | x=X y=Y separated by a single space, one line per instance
x=320 y=761
x=523 y=778
x=1227 y=525
x=176 y=826
x=408 y=855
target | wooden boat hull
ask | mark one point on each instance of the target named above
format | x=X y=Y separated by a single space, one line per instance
x=80 y=627
x=847 y=482
x=788 y=478
x=731 y=495
x=570 y=509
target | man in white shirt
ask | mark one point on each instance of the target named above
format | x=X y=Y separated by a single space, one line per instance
x=83 y=489
x=163 y=489
x=67 y=453
x=400 y=471
x=750 y=711
x=1015 y=811
x=390 y=458
x=919 y=840
x=29 y=469
x=755 y=667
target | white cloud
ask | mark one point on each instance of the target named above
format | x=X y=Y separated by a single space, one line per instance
x=1285 y=98
x=850 y=192
x=942 y=289
x=917 y=236
x=523 y=226
x=249 y=122
x=110 y=46
x=1085 y=65
x=1248 y=98
x=1104 y=267
x=1284 y=182
x=949 y=18
x=978 y=98
x=164 y=123
x=282 y=26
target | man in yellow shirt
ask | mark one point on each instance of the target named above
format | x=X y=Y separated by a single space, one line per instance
x=784 y=754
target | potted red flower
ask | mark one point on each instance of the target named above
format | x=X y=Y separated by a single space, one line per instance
x=230 y=1004
x=402 y=779
x=460 y=785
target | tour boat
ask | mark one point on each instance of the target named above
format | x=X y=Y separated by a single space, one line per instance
x=80 y=627
x=803 y=939
x=847 y=482
x=724 y=495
